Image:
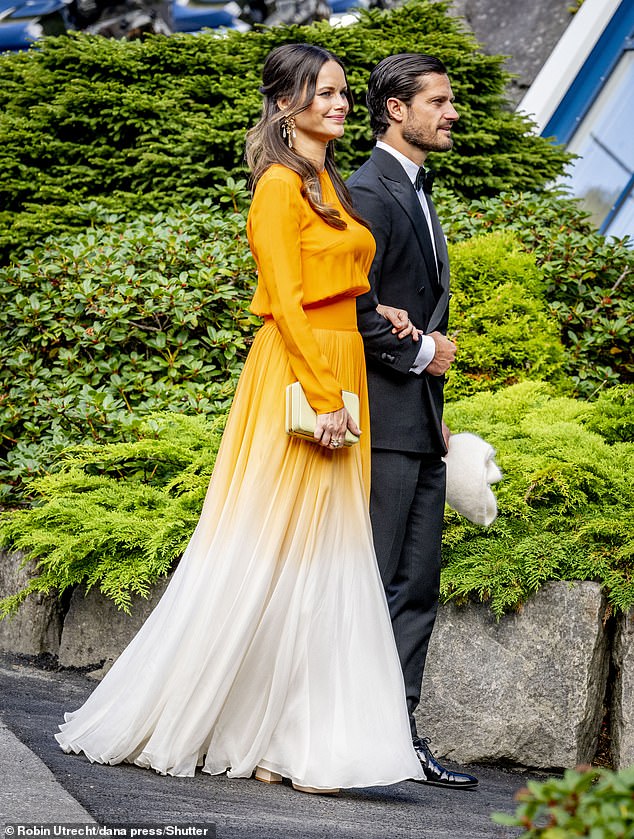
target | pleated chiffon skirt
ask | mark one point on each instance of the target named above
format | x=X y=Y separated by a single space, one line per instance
x=272 y=644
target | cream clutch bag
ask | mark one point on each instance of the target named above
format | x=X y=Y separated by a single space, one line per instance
x=301 y=419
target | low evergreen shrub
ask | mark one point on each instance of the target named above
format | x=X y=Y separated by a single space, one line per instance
x=596 y=803
x=89 y=124
x=117 y=516
x=589 y=279
x=499 y=318
x=565 y=504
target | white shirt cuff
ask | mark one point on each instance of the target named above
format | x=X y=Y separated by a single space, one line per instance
x=425 y=355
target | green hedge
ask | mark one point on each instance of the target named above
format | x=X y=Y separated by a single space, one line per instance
x=146 y=310
x=117 y=516
x=146 y=125
x=102 y=328
x=98 y=328
x=588 y=278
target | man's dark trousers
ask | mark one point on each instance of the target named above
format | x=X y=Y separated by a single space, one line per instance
x=408 y=473
x=406 y=508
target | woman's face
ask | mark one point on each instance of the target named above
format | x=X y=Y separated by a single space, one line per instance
x=324 y=118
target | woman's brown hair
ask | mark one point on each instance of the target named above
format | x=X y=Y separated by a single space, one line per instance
x=290 y=72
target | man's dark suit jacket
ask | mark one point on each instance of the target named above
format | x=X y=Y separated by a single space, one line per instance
x=405 y=409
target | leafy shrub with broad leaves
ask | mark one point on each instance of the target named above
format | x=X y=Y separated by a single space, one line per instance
x=589 y=279
x=88 y=123
x=99 y=329
x=596 y=803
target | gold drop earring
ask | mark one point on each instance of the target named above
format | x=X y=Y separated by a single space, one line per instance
x=288 y=130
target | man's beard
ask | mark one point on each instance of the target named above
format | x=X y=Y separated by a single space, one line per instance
x=425 y=140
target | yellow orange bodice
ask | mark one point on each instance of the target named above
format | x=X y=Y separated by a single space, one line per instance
x=303 y=264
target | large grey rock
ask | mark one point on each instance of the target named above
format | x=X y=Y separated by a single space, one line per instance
x=96 y=632
x=528 y=690
x=37 y=626
x=623 y=694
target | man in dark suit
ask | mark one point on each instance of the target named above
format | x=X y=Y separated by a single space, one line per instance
x=411 y=113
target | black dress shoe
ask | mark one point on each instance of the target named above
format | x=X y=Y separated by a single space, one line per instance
x=436 y=774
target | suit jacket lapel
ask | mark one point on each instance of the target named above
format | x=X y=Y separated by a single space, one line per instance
x=399 y=185
x=443 y=269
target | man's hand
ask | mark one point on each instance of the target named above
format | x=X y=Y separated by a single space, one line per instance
x=444 y=355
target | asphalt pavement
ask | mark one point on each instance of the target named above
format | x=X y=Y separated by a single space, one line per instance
x=39 y=784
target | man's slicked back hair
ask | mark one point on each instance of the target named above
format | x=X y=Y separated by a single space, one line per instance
x=398 y=77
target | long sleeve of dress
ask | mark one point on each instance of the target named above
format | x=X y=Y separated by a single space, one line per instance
x=275 y=223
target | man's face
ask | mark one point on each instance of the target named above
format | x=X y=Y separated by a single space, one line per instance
x=430 y=115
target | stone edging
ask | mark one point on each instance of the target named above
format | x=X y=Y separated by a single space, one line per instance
x=528 y=690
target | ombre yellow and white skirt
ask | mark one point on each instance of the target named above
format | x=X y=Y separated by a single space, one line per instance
x=272 y=644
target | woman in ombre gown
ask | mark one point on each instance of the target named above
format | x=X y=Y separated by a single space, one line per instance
x=272 y=648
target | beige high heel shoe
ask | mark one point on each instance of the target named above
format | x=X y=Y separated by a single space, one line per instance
x=315 y=790
x=267 y=776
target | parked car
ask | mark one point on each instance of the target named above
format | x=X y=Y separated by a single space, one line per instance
x=22 y=22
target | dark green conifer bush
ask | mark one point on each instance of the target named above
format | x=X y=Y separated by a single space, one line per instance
x=90 y=124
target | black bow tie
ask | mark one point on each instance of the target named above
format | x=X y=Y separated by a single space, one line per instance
x=424 y=180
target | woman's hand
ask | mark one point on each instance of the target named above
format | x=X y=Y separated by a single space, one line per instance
x=330 y=429
x=399 y=320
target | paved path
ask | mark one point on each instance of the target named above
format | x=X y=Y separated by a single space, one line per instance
x=29 y=791
x=39 y=783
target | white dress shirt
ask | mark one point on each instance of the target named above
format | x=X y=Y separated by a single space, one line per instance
x=428 y=347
